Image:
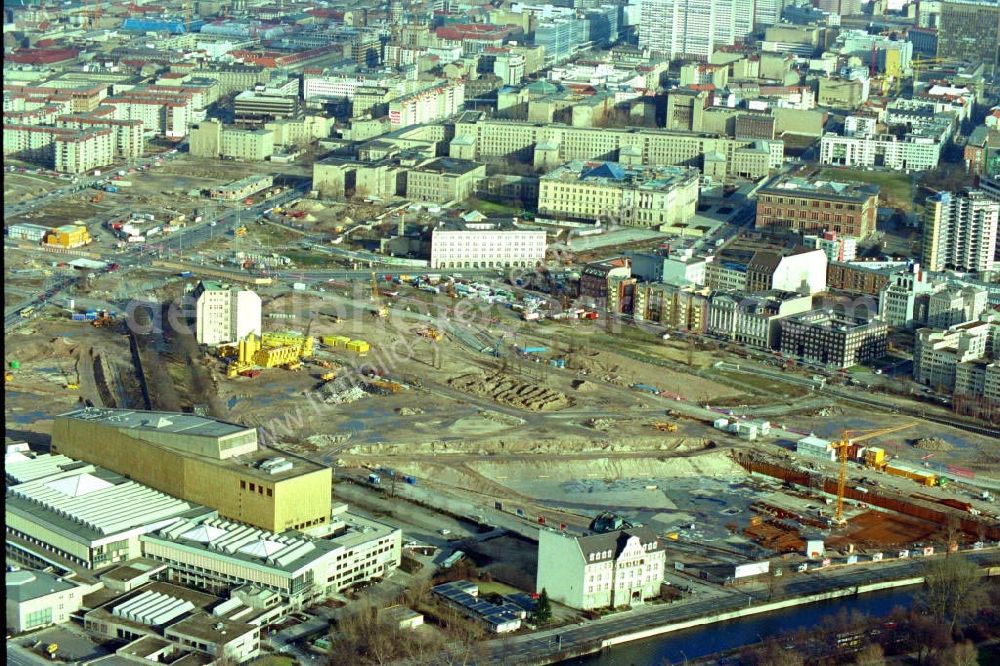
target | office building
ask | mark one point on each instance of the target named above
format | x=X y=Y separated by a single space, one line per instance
x=597 y=278
x=938 y=352
x=835 y=246
x=918 y=150
x=201 y=460
x=903 y=303
x=693 y=28
x=970 y=31
x=253 y=109
x=850 y=209
x=606 y=570
x=212 y=139
x=610 y=192
x=953 y=305
x=225 y=313
x=826 y=339
x=486 y=244
x=960 y=231
x=444 y=179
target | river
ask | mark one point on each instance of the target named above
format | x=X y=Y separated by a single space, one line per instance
x=697 y=642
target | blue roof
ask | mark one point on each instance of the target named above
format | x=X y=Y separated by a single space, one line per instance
x=611 y=170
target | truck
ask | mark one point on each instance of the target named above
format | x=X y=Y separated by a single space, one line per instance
x=412 y=480
x=299 y=286
x=123 y=183
x=110 y=188
x=374 y=479
x=185 y=274
x=646 y=388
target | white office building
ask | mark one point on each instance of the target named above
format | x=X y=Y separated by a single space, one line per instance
x=225 y=314
x=486 y=245
x=610 y=569
x=693 y=28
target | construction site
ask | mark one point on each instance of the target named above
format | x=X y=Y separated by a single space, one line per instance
x=560 y=419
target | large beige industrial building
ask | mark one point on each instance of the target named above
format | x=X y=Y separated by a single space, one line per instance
x=629 y=196
x=201 y=460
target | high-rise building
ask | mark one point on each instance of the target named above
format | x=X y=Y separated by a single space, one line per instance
x=225 y=314
x=693 y=28
x=960 y=231
x=970 y=30
x=767 y=12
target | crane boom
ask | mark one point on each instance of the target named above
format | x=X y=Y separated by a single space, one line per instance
x=847 y=438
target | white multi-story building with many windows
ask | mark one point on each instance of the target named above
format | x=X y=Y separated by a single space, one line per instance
x=938 y=352
x=961 y=231
x=225 y=314
x=63 y=149
x=611 y=569
x=694 y=28
x=486 y=245
x=428 y=106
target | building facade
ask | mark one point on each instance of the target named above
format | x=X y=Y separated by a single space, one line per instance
x=486 y=245
x=938 y=353
x=843 y=208
x=444 y=179
x=960 y=231
x=613 y=193
x=225 y=314
x=612 y=569
x=822 y=338
x=201 y=460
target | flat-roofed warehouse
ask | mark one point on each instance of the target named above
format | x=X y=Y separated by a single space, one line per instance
x=203 y=460
x=89 y=517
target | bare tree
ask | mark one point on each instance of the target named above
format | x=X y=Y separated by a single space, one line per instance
x=952 y=591
x=960 y=654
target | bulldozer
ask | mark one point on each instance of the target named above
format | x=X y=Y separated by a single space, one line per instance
x=104 y=319
x=329 y=376
x=665 y=427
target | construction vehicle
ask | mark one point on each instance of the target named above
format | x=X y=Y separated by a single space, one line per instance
x=847 y=438
x=240 y=231
x=8 y=376
x=665 y=427
x=380 y=310
x=103 y=319
x=51 y=649
x=328 y=376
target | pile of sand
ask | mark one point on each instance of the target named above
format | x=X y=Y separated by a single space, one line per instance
x=933 y=444
x=512 y=392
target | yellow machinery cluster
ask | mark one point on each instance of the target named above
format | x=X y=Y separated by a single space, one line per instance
x=847 y=438
x=359 y=347
x=271 y=350
x=430 y=333
x=665 y=427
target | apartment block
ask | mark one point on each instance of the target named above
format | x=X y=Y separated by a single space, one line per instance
x=211 y=138
x=428 y=105
x=850 y=209
x=960 y=231
x=619 y=194
x=63 y=149
x=225 y=314
x=682 y=307
x=915 y=151
x=827 y=339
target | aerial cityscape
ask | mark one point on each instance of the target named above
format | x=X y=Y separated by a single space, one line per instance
x=591 y=332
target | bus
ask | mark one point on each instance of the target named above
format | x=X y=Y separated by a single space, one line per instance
x=28 y=311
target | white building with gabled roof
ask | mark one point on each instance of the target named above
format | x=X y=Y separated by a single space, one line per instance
x=610 y=569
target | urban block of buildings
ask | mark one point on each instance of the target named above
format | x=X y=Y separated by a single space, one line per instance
x=849 y=209
x=613 y=193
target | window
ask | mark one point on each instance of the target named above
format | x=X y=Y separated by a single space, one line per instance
x=243 y=484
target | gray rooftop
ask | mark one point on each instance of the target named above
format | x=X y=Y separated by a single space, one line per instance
x=27 y=584
x=172 y=422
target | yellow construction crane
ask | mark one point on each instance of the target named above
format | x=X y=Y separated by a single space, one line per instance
x=847 y=438
x=380 y=311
